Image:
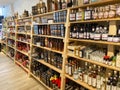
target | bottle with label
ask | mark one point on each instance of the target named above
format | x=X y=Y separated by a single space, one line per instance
x=90 y=75
x=101 y=13
x=106 y=11
x=73 y=15
x=118 y=10
x=75 y=74
x=80 y=74
x=74 y=33
x=97 y=34
x=59 y=4
x=118 y=83
x=69 y=68
x=92 y=32
x=81 y=33
x=88 y=14
x=112 y=12
x=85 y=75
x=105 y=33
x=94 y=76
x=64 y=4
x=86 y=1
x=69 y=3
x=79 y=15
x=118 y=59
x=95 y=13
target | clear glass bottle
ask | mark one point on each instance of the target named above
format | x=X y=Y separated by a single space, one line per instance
x=95 y=13
x=85 y=76
x=79 y=15
x=112 y=12
x=106 y=11
x=101 y=13
x=98 y=86
x=73 y=15
x=90 y=75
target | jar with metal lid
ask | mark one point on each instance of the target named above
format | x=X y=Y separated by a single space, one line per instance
x=112 y=12
x=106 y=11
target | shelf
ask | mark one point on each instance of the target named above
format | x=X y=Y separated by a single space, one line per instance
x=11 y=38
x=99 y=3
x=11 y=21
x=95 y=62
x=23 y=25
x=57 y=23
x=48 y=49
x=98 y=20
x=50 y=66
x=3 y=42
x=40 y=81
x=95 y=41
x=13 y=47
x=81 y=83
x=25 y=18
x=4 y=51
x=12 y=58
x=39 y=15
x=23 y=52
x=22 y=42
x=23 y=33
x=21 y=65
x=57 y=37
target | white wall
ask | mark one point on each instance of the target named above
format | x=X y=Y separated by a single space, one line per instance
x=21 y=5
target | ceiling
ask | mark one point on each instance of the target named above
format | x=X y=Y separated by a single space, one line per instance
x=4 y=2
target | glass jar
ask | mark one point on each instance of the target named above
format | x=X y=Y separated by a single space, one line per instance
x=110 y=38
x=116 y=38
x=112 y=12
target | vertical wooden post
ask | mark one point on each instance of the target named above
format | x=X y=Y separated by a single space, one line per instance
x=30 y=56
x=67 y=25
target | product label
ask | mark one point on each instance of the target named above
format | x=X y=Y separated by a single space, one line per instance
x=87 y=15
x=85 y=78
x=92 y=35
x=72 y=17
x=118 y=88
x=118 y=60
x=74 y=35
x=114 y=87
x=106 y=14
x=78 y=16
x=76 y=53
x=75 y=76
x=110 y=39
x=98 y=84
x=100 y=15
x=118 y=11
x=89 y=80
x=81 y=35
x=80 y=54
x=70 y=70
x=108 y=87
x=97 y=36
x=66 y=69
x=104 y=36
x=111 y=14
x=94 y=82
x=80 y=76
x=95 y=15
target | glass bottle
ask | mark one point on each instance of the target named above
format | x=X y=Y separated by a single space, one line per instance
x=112 y=12
x=95 y=13
x=101 y=13
x=79 y=15
x=118 y=10
x=73 y=15
x=74 y=33
x=105 y=33
x=59 y=4
x=92 y=32
x=99 y=79
x=90 y=75
x=94 y=76
x=88 y=14
x=70 y=68
x=80 y=73
x=69 y=3
x=106 y=12
x=118 y=83
x=85 y=75
x=118 y=59
x=64 y=5
x=75 y=74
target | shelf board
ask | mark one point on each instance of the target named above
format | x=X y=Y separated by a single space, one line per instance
x=3 y=42
x=22 y=52
x=44 y=14
x=12 y=58
x=23 y=42
x=12 y=26
x=98 y=20
x=25 y=18
x=11 y=21
x=41 y=81
x=57 y=23
x=95 y=41
x=48 y=49
x=11 y=38
x=13 y=47
x=4 y=52
x=26 y=69
x=23 y=25
x=49 y=36
x=99 y=3
x=81 y=83
x=50 y=66
x=95 y=62
x=23 y=33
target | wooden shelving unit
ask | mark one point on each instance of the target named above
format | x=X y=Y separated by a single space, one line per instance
x=66 y=40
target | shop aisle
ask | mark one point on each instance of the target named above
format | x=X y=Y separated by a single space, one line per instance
x=12 y=77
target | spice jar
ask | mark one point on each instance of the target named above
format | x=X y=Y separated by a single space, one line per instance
x=106 y=11
x=112 y=11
